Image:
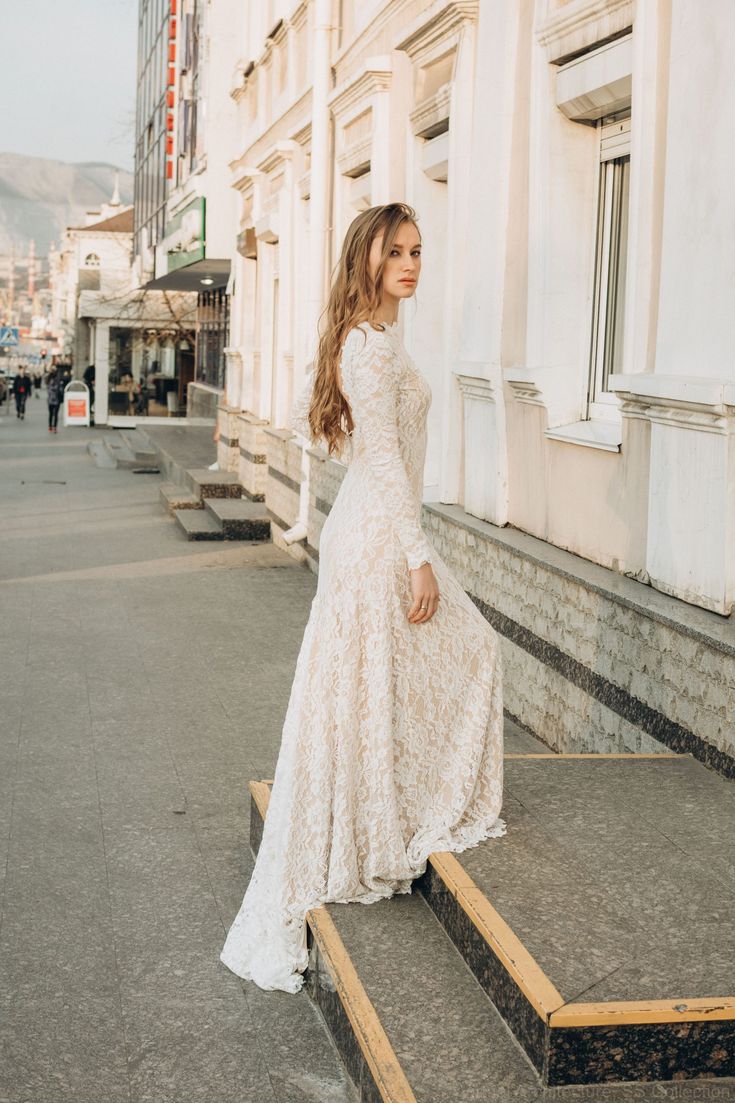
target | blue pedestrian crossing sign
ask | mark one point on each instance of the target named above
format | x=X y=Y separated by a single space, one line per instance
x=8 y=337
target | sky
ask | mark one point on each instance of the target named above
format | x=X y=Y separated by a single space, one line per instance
x=67 y=79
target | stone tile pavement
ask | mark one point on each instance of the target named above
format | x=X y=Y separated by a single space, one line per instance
x=143 y=682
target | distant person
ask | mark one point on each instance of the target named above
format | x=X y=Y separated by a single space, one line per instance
x=22 y=387
x=55 y=391
x=37 y=381
x=89 y=378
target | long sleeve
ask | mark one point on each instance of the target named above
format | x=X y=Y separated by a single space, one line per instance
x=370 y=374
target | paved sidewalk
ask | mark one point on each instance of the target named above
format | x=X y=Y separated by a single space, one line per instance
x=144 y=682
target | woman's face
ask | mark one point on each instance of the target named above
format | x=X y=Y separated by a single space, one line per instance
x=403 y=266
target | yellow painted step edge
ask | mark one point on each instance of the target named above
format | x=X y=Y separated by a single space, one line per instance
x=507 y=947
x=368 y=1030
x=593 y=754
x=528 y=974
x=538 y=988
x=644 y=1011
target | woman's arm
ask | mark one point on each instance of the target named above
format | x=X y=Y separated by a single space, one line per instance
x=370 y=374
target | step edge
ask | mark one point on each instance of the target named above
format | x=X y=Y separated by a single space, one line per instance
x=624 y=1012
x=385 y=1068
x=528 y=975
x=499 y=936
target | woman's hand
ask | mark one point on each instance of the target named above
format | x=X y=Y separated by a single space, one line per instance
x=425 y=592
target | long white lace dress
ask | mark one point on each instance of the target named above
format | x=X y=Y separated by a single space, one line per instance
x=392 y=745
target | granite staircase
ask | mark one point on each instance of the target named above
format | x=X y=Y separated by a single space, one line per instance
x=587 y=954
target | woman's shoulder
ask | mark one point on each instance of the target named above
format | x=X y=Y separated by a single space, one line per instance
x=364 y=336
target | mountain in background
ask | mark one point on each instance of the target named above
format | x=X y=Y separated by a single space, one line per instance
x=40 y=198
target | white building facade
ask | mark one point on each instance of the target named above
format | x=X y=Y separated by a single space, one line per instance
x=101 y=317
x=568 y=164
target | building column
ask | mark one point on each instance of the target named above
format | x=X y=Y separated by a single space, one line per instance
x=680 y=372
x=101 y=372
x=488 y=186
x=690 y=546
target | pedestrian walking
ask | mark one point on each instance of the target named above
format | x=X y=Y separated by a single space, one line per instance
x=392 y=745
x=55 y=392
x=37 y=381
x=22 y=387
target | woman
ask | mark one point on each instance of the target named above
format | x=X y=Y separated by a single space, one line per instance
x=55 y=387
x=392 y=742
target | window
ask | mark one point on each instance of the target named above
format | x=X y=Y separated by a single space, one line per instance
x=611 y=255
x=213 y=327
x=91 y=261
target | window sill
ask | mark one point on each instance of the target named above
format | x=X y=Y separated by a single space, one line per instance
x=605 y=435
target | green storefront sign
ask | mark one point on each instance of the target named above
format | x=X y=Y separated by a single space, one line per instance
x=185 y=236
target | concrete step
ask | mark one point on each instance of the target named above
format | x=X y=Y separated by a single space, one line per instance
x=198 y=524
x=595 y=930
x=139 y=445
x=240 y=518
x=588 y=974
x=123 y=455
x=213 y=484
x=173 y=496
x=408 y=1018
x=100 y=454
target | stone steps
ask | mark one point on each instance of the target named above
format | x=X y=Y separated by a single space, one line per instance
x=100 y=454
x=213 y=484
x=119 y=450
x=140 y=446
x=554 y=959
x=198 y=524
x=222 y=519
x=240 y=518
x=173 y=497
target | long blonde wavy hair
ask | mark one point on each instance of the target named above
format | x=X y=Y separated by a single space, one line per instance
x=354 y=298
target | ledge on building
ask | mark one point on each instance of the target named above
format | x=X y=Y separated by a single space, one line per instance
x=712 y=628
x=606 y=435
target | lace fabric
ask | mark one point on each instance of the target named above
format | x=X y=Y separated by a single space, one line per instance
x=392 y=742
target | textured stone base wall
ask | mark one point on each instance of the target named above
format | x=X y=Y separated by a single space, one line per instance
x=228 y=446
x=252 y=460
x=283 y=487
x=593 y=660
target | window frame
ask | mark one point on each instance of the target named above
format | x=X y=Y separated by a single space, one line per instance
x=611 y=230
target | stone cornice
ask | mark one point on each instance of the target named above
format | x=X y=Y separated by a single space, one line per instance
x=298 y=15
x=475 y=386
x=582 y=24
x=277 y=155
x=431 y=112
x=375 y=76
x=687 y=402
x=243 y=176
x=442 y=21
x=524 y=386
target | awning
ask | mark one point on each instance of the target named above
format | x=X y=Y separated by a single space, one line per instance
x=216 y=273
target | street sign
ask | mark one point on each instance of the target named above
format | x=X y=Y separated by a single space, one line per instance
x=9 y=337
